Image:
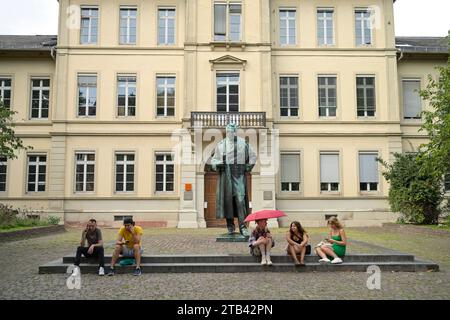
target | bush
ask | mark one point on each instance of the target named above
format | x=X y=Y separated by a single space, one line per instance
x=13 y=218
x=53 y=220
x=415 y=190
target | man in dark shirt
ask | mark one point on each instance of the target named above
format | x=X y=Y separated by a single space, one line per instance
x=93 y=236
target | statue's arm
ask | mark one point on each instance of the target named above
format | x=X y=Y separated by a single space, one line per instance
x=217 y=159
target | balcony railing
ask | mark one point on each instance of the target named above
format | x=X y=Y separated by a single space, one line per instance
x=222 y=119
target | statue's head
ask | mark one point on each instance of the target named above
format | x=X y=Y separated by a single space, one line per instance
x=231 y=129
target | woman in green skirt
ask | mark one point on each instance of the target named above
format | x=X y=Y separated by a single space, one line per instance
x=337 y=242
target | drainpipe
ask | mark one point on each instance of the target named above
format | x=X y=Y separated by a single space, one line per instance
x=401 y=55
x=52 y=52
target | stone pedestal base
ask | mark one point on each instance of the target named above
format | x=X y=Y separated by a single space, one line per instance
x=235 y=237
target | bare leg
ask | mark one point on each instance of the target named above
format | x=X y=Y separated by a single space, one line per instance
x=137 y=255
x=302 y=255
x=328 y=251
x=115 y=255
x=291 y=249
x=268 y=247
x=320 y=253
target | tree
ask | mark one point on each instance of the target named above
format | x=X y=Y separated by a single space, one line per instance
x=9 y=142
x=414 y=192
x=436 y=153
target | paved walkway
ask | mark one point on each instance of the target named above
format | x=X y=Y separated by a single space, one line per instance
x=19 y=278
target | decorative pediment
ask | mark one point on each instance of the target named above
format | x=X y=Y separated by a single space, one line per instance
x=228 y=60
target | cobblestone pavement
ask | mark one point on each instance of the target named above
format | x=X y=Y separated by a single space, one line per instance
x=19 y=262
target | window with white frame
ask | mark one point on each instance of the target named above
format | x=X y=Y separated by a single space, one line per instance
x=126 y=95
x=87 y=95
x=363 y=27
x=329 y=172
x=165 y=104
x=128 y=18
x=325 y=26
x=365 y=96
x=5 y=92
x=447 y=181
x=368 y=171
x=165 y=172
x=327 y=96
x=37 y=167
x=289 y=96
x=124 y=172
x=84 y=171
x=40 y=98
x=228 y=92
x=89 y=25
x=288 y=26
x=290 y=172
x=227 y=21
x=3 y=172
x=412 y=103
x=166 y=26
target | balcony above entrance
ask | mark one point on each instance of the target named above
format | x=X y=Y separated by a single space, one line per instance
x=222 y=119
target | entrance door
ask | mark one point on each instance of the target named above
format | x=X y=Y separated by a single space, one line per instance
x=210 y=198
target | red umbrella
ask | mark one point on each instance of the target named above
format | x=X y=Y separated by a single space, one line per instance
x=265 y=214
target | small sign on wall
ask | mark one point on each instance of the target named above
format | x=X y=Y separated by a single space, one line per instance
x=205 y=205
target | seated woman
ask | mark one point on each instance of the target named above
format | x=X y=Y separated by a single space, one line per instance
x=297 y=239
x=338 y=241
x=261 y=241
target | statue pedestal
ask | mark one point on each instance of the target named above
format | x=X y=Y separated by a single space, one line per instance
x=235 y=237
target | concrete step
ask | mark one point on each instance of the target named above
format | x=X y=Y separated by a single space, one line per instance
x=58 y=267
x=249 y=259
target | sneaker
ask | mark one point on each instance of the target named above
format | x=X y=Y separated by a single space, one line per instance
x=111 y=272
x=101 y=271
x=263 y=261
x=336 y=260
x=325 y=260
x=269 y=262
x=76 y=271
x=137 y=272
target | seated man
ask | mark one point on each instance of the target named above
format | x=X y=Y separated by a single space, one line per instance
x=128 y=244
x=93 y=236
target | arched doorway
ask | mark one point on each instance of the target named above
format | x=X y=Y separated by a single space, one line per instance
x=210 y=181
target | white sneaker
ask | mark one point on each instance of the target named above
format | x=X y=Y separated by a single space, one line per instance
x=269 y=262
x=263 y=261
x=336 y=260
x=101 y=271
x=76 y=271
x=325 y=260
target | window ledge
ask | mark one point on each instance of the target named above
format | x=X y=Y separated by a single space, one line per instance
x=227 y=44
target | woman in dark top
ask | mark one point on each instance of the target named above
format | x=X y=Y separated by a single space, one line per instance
x=297 y=239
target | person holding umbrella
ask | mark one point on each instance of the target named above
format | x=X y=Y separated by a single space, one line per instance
x=261 y=241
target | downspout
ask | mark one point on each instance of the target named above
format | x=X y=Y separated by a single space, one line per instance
x=52 y=52
x=401 y=55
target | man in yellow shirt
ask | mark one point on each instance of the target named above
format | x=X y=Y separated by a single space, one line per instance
x=128 y=244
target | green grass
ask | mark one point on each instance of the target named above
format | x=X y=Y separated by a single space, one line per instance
x=10 y=228
x=23 y=223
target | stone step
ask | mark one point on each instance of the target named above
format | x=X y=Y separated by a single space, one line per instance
x=249 y=259
x=58 y=267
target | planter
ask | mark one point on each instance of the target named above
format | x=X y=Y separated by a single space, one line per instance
x=31 y=233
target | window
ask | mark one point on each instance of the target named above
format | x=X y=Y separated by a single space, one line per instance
x=126 y=96
x=84 y=172
x=287 y=26
x=166 y=26
x=124 y=172
x=227 y=21
x=87 y=95
x=40 y=95
x=128 y=25
x=365 y=96
x=325 y=32
x=447 y=181
x=165 y=96
x=164 y=172
x=412 y=104
x=290 y=172
x=89 y=25
x=289 y=96
x=37 y=165
x=327 y=96
x=329 y=172
x=5 y=92
x=3 y=172
x=228 y=92
x=368 y=171
x=363 y=27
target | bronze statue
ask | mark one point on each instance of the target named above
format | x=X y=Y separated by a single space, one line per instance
x=233 y=157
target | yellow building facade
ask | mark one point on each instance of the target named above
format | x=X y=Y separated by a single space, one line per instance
x=106 y=102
